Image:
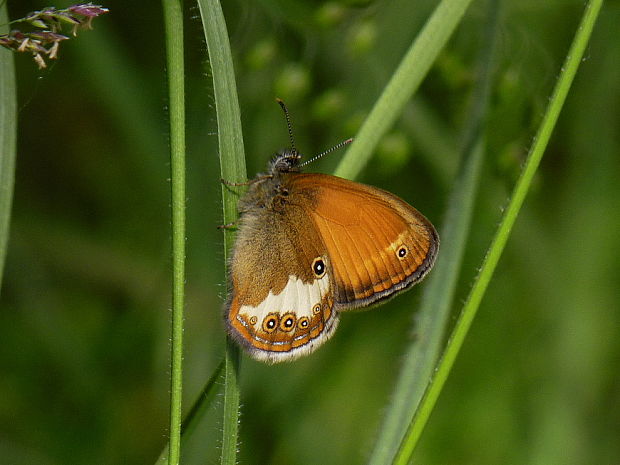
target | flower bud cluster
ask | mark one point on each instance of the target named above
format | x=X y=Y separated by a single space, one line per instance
x=43 y=41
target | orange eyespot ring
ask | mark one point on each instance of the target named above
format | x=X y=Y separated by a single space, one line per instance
x=287 y=322
x=402 y=252
x=253 y=320
x=318 y=267
x=316 y=309
x=303 y=322
x=270 y=323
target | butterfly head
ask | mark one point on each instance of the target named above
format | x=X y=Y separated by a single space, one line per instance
x=286 y=161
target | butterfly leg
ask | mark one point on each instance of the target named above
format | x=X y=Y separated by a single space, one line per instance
x=246 y=183
x=228 y=226
x=234 y=184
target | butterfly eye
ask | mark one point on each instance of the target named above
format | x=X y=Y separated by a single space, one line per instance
x=402 y=252
x=287 y=323
x=318 y=267
x=270 y=323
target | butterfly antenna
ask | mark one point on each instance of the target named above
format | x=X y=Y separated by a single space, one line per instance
x=335 y=147
x=288 y=124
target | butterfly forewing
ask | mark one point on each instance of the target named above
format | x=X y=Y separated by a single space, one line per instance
x=378 y=244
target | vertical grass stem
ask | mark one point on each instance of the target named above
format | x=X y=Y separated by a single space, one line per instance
x=173 y=20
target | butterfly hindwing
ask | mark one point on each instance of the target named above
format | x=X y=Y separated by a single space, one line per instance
x=281 y=304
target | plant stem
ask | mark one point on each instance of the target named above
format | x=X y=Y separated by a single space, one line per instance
x=8 y=134
x=173 y=20
x=470 y=308
x=198 y=410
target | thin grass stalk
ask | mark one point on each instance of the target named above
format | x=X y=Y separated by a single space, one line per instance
x=571 y=64
x=404 y=82
x=173 y=21
x=8 y=136
x=438 y=293
x=198 y=410
x=232 y=165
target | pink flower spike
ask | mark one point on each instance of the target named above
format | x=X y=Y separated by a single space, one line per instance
x=45 y=40
x=88 y=9
x=48 y=36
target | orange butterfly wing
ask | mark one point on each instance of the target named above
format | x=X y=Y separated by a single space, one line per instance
x=377 y=243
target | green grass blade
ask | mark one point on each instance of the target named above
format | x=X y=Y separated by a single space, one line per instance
x=404 y=82
x=198 y=410
x=434 y=312
x=173 y=20
x=8 y=132
x=232 y=162
x=463 y=324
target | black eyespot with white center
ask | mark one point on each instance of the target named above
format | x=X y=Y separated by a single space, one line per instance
x=316 y=309
x=287 y=322
x=303 y=322
x=402 y=252
x=270 y=323
x=318 y=267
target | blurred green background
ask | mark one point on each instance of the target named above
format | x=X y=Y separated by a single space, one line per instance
x=84 y=306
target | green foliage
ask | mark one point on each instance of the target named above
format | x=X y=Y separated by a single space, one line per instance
x=8 y=131
x=84 y=307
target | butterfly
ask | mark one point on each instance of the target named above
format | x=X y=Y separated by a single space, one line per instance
x=310 y=246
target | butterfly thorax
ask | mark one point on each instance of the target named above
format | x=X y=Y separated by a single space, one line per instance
x=268 y=190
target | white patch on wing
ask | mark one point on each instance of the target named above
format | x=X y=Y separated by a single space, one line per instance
x=296 y=297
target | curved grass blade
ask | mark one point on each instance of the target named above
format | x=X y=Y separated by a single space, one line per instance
x=412 y=69
x=470 y=308
x=232 y=163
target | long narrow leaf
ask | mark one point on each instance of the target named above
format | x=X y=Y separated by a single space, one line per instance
x=404 y=82
x=470 y=308
x=232 y=163
x=8 y=131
